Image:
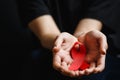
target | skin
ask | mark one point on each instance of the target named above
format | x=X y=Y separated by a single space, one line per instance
x=87 y=32
x=96 y=46
x=61 y=54
x=45 y=29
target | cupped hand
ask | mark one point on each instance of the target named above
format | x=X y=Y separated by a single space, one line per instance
x=61 y=54
x=96 y=44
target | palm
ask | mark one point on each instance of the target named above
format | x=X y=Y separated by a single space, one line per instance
x=96 y=45
x=61 y=53
x=92 y=45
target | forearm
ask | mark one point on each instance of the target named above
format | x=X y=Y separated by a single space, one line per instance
x=86 y=25
x=45 y=29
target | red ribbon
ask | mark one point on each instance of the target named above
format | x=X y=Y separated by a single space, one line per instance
x=78 y=56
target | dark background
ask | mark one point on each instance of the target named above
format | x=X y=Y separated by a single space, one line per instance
x=16 y=43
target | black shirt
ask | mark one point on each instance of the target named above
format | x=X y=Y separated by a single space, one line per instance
x=67 y=13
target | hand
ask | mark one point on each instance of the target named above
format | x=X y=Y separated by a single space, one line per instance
x=61 y=54
x=96 y=44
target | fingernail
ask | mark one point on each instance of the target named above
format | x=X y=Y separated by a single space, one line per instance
x=77 y=47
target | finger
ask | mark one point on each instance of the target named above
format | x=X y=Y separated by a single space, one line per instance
x=55 y=49
x=90 y=69
x=77 y=73
x=100 y=64
x=103 y=44
x=65 y=71
x=68 y=60
x=62 y=66
x=81 y=37
x=56 y=62
x=66 y=46
x=70 y=45
x=77 y=47
x=81 y=72
x=59 y=41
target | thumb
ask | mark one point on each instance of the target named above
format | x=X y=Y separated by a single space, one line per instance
x=103 y=45
x=55 y=49
x=59 y=41
x=81 y=37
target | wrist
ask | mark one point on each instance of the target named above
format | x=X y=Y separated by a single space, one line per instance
x=77 y=34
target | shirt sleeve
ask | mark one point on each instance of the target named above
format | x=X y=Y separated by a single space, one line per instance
x=104 y=10
x=31 y=9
